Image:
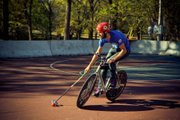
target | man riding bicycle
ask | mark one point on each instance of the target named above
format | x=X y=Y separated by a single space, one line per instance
x=120 y=45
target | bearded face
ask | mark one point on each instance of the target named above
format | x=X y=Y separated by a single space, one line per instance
x=103 y=35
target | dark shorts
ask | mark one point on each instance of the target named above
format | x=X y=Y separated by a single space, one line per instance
x=112 y=66
x=113 y=51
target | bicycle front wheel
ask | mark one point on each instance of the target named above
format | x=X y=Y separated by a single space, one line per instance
x=86 y=91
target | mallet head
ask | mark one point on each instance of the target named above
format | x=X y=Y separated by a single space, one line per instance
x=54 y=103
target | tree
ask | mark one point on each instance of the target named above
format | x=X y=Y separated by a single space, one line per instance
x=67 y=20
x=47 y=4
x=40 y=19
x=30 y=20
x=28 y=15
x=77 y=18
x=171 y=12
x=88 y=14
x=20 y=24
x=5 y=19
x=93 y=5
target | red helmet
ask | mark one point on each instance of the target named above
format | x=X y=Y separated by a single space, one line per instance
x=103 y=27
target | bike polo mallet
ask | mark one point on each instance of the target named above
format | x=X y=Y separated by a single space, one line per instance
x=54 y=103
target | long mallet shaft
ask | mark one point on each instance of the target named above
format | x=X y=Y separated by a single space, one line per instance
x=54 y=102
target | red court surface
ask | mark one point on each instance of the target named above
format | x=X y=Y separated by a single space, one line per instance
x=28 y=85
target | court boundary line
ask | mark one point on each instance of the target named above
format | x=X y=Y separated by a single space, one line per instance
x=53 y=68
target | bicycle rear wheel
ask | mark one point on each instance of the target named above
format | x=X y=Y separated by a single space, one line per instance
x=86 y=91
x=113 y=94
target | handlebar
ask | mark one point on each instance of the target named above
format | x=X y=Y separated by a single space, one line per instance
x=101 y=62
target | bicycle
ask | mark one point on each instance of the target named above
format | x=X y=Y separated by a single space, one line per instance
x=111 y=94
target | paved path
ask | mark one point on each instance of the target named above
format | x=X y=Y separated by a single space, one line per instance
x=28 y=85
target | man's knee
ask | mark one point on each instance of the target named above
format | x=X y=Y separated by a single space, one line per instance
x=112 y=66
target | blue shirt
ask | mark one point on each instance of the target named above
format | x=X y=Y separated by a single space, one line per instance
x=117 y=38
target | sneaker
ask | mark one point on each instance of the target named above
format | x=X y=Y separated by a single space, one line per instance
x=98 y=93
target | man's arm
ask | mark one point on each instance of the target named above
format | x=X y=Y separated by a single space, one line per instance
x=94 y=58
x=119 y=54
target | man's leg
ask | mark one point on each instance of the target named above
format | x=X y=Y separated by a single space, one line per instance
x=113 y=78
x=112 y=67
x=104 y=74
x=99 y=91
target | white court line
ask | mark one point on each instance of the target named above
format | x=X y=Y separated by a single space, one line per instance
x=52 y=67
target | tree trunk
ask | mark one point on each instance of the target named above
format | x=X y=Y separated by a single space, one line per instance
x=92 y=5
x=30 y=20
x=27 y=13
x=160 y=23
x=67 y=20
x=5 y=20
x=50 y=21
x=91 y=34
x=79 y=29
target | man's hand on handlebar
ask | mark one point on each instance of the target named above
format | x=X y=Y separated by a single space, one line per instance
x=87 y=69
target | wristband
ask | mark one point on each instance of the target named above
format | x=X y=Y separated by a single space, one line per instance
x=96 y=54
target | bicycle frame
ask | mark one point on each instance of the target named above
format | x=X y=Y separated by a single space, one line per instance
x=104 y=85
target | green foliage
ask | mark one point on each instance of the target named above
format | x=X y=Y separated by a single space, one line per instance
x=40 y=20
x=1 y=16
x=171 y=10
x=125 y=15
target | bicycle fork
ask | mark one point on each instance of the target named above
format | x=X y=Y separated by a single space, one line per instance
x=102 y=85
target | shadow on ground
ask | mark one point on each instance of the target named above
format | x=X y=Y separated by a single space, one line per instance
x=33 y=75
x=133 y=105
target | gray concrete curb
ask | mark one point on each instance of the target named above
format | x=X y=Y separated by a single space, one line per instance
x=20 y=49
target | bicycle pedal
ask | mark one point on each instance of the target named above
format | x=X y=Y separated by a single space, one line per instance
x=98 y=94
